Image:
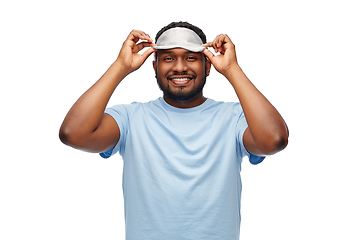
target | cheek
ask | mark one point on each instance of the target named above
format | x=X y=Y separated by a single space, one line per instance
x=162 y=70
x=200 y=69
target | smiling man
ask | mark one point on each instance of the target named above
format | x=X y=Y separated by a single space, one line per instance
x=182 y=82
x=182 y=152
x=185 y=68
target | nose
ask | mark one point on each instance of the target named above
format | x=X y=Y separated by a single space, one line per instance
x=180 y=66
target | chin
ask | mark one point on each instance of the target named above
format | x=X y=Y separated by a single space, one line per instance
x=181 y=96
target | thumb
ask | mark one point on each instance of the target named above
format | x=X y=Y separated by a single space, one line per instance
x=140 y=59
x=147 y=53
x=208 y=54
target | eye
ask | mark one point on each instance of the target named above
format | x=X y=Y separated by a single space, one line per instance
x=191 y=58
x=168 y=59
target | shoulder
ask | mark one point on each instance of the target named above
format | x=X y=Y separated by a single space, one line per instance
x=226 y=107
x=130 y=109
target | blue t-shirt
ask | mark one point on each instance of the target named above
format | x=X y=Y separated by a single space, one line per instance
x=181 y=175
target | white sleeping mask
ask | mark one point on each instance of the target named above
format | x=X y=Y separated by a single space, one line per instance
x=180 y=37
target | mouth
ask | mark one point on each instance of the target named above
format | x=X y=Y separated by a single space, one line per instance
x=180 y=80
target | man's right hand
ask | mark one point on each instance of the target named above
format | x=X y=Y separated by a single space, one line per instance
x=129 y=56
x=86 y=126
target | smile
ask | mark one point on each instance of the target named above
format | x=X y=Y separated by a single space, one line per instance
x=181 y=79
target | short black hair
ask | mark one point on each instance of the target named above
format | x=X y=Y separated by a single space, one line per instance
x=197 y=30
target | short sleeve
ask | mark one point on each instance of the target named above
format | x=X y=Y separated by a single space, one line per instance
x=241 y=126
x=120 y=115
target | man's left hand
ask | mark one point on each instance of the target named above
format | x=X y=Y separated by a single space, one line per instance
x=226 y=60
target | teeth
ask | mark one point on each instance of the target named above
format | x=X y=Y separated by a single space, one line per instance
x=180 y=79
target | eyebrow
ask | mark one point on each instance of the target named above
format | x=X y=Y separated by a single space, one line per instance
x=167 y=52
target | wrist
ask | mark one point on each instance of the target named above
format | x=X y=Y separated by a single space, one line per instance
x=233 y=73
x=121 y=70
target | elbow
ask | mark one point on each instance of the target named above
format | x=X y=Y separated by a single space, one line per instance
x=64 y=135
x=75 y=138
x=280 y=143
x=69 y=137
x=275 y=144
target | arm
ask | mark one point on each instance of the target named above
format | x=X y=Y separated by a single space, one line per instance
x=86 y=127
x=267 y=132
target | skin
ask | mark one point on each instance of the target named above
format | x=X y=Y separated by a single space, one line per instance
x=180 y=63
x=86 y=127
x=267 y=132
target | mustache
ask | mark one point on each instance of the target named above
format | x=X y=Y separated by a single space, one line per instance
x=181 y=74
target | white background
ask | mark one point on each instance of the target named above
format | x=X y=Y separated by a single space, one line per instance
x=302 y=55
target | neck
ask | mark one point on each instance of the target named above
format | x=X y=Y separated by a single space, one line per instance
x=194 y=102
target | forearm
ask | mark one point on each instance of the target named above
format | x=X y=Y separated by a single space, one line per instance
x=267 y=127
x=267 y=132
x=85 y=115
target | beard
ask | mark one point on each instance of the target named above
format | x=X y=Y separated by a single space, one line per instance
x=181 y=96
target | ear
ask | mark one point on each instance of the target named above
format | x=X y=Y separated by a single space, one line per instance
x=207 y=66
x=155 y=66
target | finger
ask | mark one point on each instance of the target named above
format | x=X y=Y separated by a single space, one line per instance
x=145 y=36
x=209 y=44
x=219 y=41
x=216 y=44
x=208 y=54
x=223 y=42
x=150 y=39
x=140 y=46
x=146 y=54
x=135 y=35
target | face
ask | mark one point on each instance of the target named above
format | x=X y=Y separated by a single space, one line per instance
x=181 y=74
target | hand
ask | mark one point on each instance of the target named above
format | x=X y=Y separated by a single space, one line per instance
x=227 y=57
x=129 y=57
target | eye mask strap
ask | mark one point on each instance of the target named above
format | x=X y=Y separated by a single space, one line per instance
x=180 y=37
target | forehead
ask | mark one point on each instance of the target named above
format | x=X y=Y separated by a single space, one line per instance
x=176 y=51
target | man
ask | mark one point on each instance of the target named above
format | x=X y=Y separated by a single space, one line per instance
x=182 y=152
